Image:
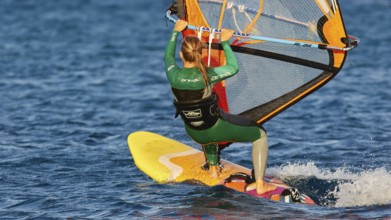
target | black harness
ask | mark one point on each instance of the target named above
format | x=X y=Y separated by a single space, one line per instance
x=200 y=114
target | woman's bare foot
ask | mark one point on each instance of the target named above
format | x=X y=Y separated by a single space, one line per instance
x=214 y=171
x=261 y=186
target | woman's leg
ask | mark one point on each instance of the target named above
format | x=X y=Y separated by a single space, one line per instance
x=236 y=129
x=259 y=156
x=211 y=152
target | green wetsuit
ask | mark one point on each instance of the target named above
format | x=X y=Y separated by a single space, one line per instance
x=188 y=85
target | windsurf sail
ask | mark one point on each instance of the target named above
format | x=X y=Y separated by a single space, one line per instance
x=286 y=49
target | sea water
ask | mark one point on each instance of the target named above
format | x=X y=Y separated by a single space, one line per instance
x=76 y=77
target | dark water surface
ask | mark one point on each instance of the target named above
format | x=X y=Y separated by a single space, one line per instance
x=76 y=77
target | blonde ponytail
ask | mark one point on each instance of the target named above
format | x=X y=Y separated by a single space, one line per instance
x=192 y=52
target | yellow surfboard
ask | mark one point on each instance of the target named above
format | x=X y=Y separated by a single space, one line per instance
x=166 y=160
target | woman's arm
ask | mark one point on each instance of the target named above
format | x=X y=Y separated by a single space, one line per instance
x=169 y=54
x=231 y=67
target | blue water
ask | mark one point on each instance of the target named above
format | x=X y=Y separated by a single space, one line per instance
x=76 y=77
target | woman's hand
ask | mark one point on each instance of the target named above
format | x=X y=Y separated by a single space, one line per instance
x=180 y=25
x=226 y=34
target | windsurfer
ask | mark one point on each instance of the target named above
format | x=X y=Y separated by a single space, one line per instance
x=197 y=105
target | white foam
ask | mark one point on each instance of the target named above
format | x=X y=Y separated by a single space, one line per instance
x=366 y=188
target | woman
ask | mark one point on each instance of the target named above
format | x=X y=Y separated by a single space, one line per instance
x=204 y=121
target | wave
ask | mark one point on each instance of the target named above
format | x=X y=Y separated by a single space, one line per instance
x=340 y=187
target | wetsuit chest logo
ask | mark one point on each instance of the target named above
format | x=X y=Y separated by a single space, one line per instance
x=193 y=113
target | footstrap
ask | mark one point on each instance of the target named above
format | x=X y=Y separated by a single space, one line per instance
x=240 y=176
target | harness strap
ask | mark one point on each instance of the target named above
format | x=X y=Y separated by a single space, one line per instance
x=200 y=29
x=211 y=36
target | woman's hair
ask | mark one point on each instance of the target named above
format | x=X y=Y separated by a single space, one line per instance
x=192 y=52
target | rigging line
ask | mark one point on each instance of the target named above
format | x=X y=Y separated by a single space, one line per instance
x=255 y=19
x=234 y=16
x=255 y=11
x=252 y=23
x=247 y=15
x=242 y=9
